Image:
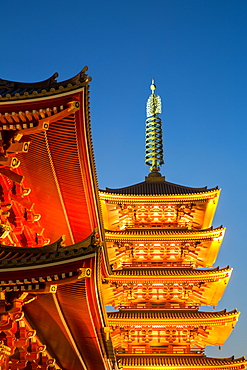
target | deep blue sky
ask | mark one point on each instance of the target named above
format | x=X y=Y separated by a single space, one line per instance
x=197 y=52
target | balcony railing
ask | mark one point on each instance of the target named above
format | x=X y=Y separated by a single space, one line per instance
x=158 y=306
x=156 y=264
x=160 y=350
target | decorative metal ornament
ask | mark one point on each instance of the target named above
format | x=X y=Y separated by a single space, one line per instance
x=154 y=141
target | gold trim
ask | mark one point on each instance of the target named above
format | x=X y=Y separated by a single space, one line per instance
x=218 y=321
x=111 y=197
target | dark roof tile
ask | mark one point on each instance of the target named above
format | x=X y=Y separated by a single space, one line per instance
x=156 y=232
x=177 y=361
x=10 y=89
x=168 y=271
x=167 y=314
x=16 y=256
x=157 y=188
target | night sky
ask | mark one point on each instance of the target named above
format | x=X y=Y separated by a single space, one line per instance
x=196 y=51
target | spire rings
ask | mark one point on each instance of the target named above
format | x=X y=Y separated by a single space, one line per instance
x=154 y=143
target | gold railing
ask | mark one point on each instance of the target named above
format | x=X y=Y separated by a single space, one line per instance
x=156 y=264
x=160 y=350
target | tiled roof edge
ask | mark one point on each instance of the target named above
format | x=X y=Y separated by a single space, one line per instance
x=165 y=231
x=185 y=271
x=11 y=90
x=18 y=256
x=157 y=188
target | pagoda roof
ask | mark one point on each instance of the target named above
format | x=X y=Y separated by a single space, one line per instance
x=157 y=188
x=14 y=257
x=164 y=233
x=203 y=203
x=170 y=272
x=167 y=315
x=11 y=90
x=183 y=362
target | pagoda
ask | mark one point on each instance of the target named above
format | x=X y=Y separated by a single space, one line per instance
x=161 y=247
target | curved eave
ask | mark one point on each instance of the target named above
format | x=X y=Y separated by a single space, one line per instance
x=165 y=235
x=157 y=187
x=14 y=92
x=174 y=198
x=175 y=276
x=13 y=258
x=174 y=319
x=181 y=362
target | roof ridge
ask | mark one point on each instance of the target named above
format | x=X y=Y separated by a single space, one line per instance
x=12 y=90
x=164 y=230
x=157 y=188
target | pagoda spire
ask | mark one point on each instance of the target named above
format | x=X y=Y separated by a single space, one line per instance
x=154 y=141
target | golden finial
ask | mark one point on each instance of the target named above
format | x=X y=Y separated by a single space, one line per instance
x=152 y=86
x=154 y=141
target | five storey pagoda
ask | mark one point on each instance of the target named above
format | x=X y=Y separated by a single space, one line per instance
x=161 y=246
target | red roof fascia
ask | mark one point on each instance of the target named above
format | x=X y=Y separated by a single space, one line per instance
x=86 y=152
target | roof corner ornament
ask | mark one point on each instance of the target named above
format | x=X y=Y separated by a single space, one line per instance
x=154 y=141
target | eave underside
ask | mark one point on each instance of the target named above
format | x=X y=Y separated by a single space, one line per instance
x=52 y=170
x=64 y=323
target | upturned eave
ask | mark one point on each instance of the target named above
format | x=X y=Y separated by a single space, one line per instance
x=12 y=91
x=165 y=234
x=154 y=198
x=172 y=275
x=182 y=318
x=181 y=362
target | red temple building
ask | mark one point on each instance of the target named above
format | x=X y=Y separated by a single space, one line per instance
x=69 y=249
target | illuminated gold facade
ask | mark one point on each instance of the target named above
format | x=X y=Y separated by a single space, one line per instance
x=155 y=250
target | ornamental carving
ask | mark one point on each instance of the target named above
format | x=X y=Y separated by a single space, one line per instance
x=6 y=84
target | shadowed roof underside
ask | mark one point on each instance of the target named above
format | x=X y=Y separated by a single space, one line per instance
x=53 y=169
